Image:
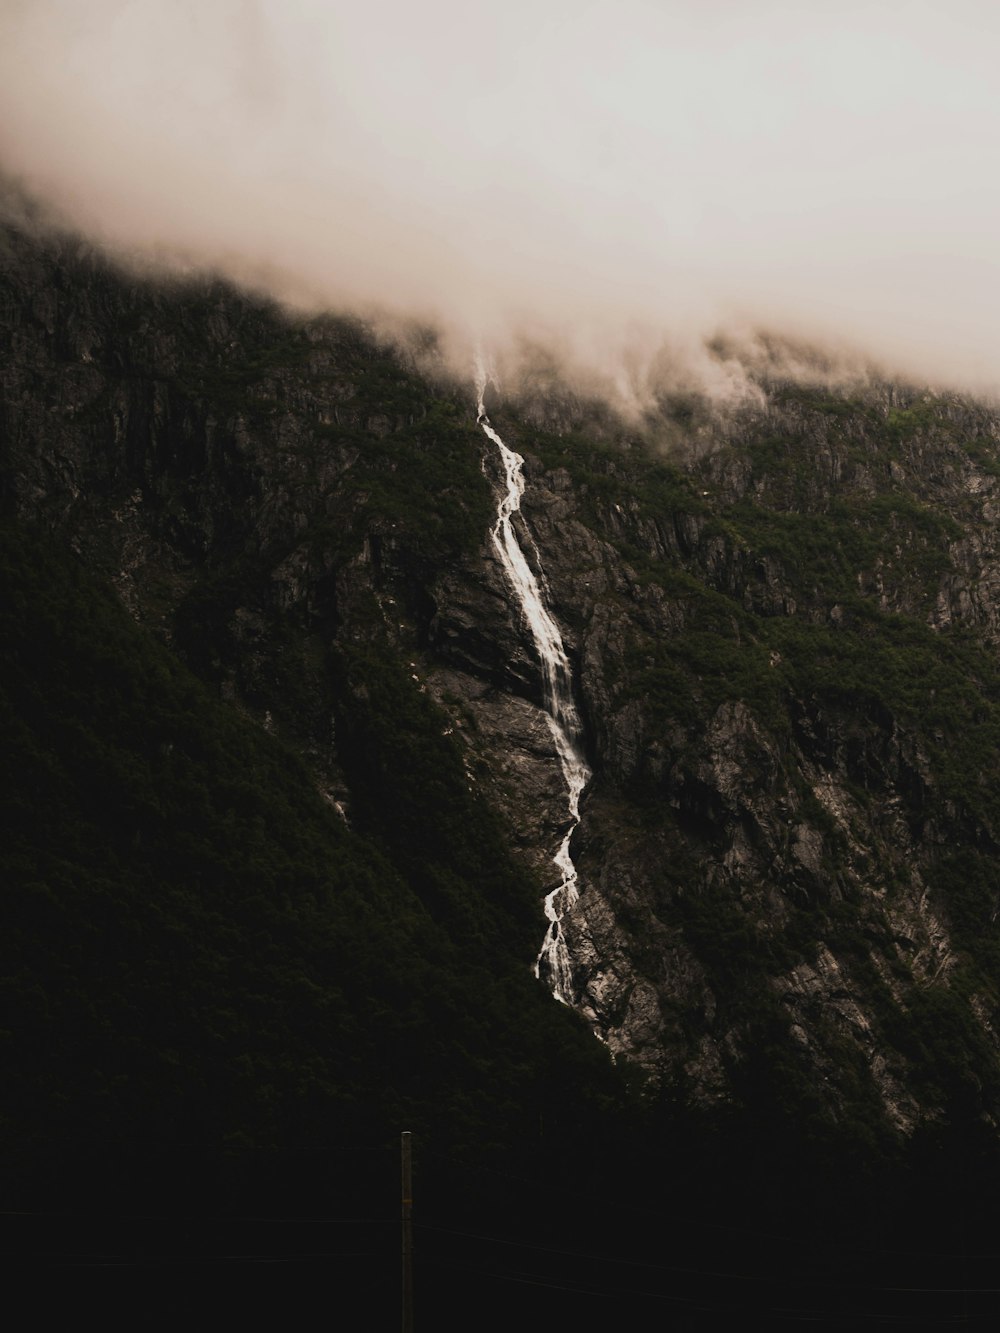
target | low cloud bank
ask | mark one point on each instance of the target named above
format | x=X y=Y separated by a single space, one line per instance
x=620 y=180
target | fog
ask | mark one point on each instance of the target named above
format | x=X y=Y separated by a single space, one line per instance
x=613 y=178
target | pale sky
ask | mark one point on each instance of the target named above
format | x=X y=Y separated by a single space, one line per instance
x=605 y=171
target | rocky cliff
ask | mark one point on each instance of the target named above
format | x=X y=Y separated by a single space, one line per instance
x=782 y=617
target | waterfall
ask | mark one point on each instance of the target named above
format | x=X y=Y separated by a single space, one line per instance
x=553 y=962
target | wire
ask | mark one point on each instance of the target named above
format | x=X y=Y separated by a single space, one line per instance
x=168 y=1146
x=589 y=1198
x=816 y=1315
x=584 y=1254
x=617 y=1293
x=147 y=1261
x=200 y=1217
x=688 y=1220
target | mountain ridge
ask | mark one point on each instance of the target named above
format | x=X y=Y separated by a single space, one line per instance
x=779 y=627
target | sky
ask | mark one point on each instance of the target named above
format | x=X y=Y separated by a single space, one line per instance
x=611 y=177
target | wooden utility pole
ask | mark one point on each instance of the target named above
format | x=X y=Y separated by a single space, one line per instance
x=404 y=1148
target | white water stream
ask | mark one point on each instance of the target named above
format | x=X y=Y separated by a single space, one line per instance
x=553 y=962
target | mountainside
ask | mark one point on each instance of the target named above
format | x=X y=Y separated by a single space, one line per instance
x=285 y=796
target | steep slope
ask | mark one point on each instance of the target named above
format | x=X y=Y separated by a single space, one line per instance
x=782 y=625
x=787 y=655
x=208 y=943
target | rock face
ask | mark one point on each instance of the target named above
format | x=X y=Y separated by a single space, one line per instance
x=783 y=625
x=805 y=794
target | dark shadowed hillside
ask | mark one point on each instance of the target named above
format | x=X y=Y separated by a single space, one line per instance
x=282 y=803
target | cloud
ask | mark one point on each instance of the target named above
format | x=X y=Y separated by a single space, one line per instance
x=612 y=175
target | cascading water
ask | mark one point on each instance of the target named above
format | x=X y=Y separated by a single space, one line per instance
x=553 y=962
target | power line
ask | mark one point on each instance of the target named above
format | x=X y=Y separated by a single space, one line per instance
x=589 y=1255
x=813 y=1314
x=617 y=1292
x=688 y=1220
x=180 y=1261
x=180 y=1219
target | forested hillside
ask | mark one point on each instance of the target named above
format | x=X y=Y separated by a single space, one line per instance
x=282 y=802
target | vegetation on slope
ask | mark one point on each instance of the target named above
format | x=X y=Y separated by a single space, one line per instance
x=205 y=964
x=802 y=557
x=199 y=949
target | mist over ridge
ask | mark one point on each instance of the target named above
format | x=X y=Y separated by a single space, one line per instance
x=618 y=182
x=287 y=790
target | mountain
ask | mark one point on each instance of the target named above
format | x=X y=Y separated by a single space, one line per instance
x=284 y=797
